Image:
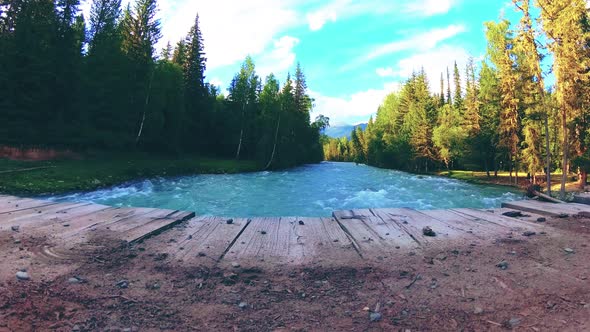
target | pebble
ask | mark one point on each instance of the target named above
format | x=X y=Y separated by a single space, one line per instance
x=235 y=265
x=366 y=309
x=569 y=250
x=375 y=316
x=74 y=280
x=15 y=228
x=502 y=265
x=478 y=310
x=301 y=222
x=202 y=254
x=263 y=232
x=427 y=231
x=512 y=323
x=76 y=328
x=22 y=275
x=563 y=215
x=541 y=219
x=122 y=284
x=243 y=305
x=529 y=233
x=66 y=225
x=229 y=221
x=17 y=241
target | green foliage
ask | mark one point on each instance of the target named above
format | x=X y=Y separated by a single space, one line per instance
x=103 y=87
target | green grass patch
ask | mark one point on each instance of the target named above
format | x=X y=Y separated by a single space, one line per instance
x=105 y=170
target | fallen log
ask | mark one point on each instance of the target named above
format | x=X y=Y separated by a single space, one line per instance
x=546 y=197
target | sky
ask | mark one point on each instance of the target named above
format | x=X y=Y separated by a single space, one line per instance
x=353 y=52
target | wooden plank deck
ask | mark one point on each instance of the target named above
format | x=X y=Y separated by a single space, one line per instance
x=349 y=235
x=547 y=209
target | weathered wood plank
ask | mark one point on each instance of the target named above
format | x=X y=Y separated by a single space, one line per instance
x=155 y=226
x=268 y=239
x=366 y=238
x=14 y=204
x=203 y=239
x=548 y=209
x=413 y=222
x=511 y=224
x=473 y=226
x=30 y=217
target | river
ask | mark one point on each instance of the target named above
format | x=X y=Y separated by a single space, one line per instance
x=307 y=191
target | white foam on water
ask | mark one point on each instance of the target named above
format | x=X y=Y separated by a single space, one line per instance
x=313 y=190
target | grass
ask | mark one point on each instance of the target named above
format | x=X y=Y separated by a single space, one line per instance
x=504 y=179
x=99 y=171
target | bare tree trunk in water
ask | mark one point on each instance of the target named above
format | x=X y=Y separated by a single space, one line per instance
x=147 y=101
x=548 y=152
x=565 y=155
x=274 y=148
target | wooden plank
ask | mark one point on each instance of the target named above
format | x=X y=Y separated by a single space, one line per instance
x=15 y=204
x=413 y=222
x=81 y=227
x=582 y=198
x=37 y=215
x=155 y=226
x=267 y=239
x=512 y=224
x=364 y=237
x=471 y=225
x=547 y=209
x=202 y=239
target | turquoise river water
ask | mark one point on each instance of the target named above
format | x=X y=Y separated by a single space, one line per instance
x=307 y=191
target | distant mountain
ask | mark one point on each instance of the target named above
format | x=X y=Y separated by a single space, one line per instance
x=341 y=131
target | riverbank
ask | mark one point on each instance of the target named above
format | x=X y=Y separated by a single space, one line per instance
x=503 y=179
x=105 y=170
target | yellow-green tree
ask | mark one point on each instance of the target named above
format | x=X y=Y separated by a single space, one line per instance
x=562 y=21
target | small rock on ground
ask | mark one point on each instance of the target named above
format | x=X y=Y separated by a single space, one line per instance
x=229 y=221
x=502 y=265
x=529 y=233
x=512 y=214
x=375 y=316
x=235 y=265
x=569 y=250
x=15 y=228
x=427 y=231
x=243 y=305
x=22 y=275
x=541 y=219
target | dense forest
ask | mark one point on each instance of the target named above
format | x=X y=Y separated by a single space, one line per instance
x=501 y=116
x=67 y=83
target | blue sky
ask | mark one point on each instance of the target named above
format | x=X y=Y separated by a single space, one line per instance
x=353 y=52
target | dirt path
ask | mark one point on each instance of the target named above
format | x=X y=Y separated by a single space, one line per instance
x=543 y=288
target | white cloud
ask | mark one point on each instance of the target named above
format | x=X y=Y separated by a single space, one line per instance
x=430 y=7
x=279 y=59
x=419 y=43
x=423 y=41
x=434 y=62
x=317 y=19
x=231 y=29
x=353 y=109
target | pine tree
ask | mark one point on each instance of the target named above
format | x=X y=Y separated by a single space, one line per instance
x=179 y=56
x=532 y=90
x=471 y=117
x=500 y=51
x=562 y=22
x=458 y=99
x=442 y=91
x=449 y=98
x=195 y=88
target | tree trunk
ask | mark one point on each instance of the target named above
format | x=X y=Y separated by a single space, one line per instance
x=485 y=162
x=548 y=152
x=145 y=106
x=583 y=179
x=274 y=148
x=241 y=133
x=511 y=169
x=564 y=164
